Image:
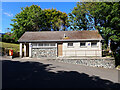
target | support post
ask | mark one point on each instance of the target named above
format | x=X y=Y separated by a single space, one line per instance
x=30 y=50
x=100 y=48
x=24 y=50
x=20 y=50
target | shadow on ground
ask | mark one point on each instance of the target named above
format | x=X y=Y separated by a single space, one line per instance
x=36 y=75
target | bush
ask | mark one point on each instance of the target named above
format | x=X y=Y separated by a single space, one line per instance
x=117 y=59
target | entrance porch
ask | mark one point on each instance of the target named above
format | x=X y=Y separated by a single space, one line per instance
x=26 y=48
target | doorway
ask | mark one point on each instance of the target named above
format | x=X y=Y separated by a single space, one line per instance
x=59 y=49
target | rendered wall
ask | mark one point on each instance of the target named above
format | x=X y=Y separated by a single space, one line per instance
x=76 y=50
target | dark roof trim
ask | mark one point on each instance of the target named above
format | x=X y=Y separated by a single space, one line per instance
x=59 y=40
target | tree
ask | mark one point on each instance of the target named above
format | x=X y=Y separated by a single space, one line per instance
x=107 y=18
x=79 y=17
x=103 y=16
x=33 y=18
x=56 y=19
x=8 y=37
x=29 y=19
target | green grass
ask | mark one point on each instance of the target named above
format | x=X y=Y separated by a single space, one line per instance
x=5 y=45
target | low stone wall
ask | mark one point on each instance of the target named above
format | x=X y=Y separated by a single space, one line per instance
x=105 y=63
x=43 y=52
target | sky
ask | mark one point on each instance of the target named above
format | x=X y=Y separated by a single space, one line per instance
x=10 y=9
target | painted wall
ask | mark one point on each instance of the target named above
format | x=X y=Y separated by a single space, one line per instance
x=76 y=50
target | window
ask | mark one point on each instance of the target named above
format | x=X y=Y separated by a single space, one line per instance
x=82 y=44
x=40 y=44
x=93 y=44
x=70 y=44
x=52 y=44
x=34 y=44
x=46 y=44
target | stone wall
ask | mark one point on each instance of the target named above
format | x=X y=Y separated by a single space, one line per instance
x=105 y=63
x=44 y=52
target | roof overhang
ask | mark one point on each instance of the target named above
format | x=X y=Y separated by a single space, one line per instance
x=74 y=40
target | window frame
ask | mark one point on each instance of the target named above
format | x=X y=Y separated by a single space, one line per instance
x=94 y=46
x=41 y=45
x=37 y=45
x=47 y=45
x=83 y=46
x=34 y=44
x=70 y=43
x=50 y=44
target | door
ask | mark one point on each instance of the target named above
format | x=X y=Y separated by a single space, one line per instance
x=27 y=50
x=59 y=49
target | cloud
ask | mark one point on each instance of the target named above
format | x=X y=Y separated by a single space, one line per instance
x=8 y=14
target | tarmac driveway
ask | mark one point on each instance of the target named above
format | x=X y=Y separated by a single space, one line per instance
x=41 y=73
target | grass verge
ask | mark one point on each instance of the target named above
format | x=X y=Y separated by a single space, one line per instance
x=5 y=45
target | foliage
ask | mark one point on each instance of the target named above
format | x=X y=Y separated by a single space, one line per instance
x=80 y=17
x=33 y=18
x=56 y=20
x=8 y=37
x=29 y=19
x=108 y=23
x=107 y=19
x=103 y=16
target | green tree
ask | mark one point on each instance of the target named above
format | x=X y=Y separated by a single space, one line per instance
x=79 y=17
x=103 y=16
x=29 y=19
x=8 y=37
x=33 y=18
x=56 y=19
x=107 y=20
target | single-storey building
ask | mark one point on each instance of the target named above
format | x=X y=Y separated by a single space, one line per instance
x=60 y=44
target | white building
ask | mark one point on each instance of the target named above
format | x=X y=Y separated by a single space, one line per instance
x=61 y=43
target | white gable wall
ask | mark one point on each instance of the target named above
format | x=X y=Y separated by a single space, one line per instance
x=76 y=50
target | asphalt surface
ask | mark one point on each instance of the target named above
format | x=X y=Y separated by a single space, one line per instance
x=49 y=70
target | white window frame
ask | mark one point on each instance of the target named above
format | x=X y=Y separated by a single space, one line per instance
x=94 y=46
x=83 y=46
x=49 y=45
x=70 y=43
x=33 y=44
x=41 y=44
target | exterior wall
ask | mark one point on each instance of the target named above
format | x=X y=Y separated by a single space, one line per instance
x=76 y=50
x=44 y=51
